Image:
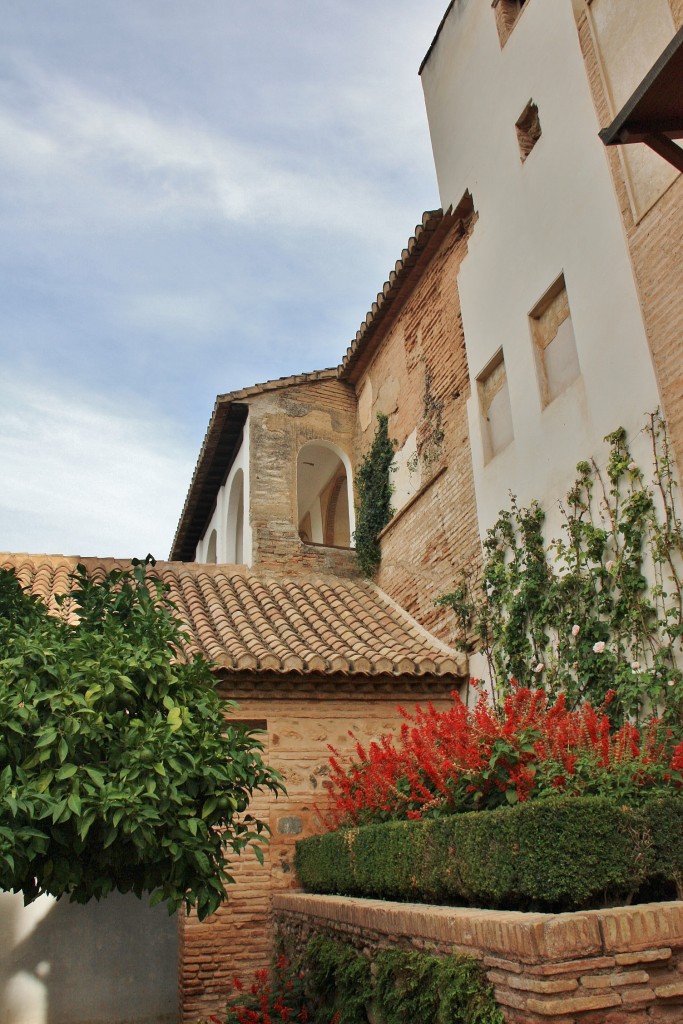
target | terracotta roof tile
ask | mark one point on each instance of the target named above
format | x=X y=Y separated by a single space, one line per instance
x=252 y=622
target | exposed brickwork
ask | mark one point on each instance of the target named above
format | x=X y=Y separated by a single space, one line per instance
x=419 y=377
x=620 y=966
x=656 y=254
x=238 y=939
x=281 y=422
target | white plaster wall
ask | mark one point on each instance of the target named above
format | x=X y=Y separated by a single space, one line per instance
x=102 y=963
x=555 y=213
x=218 y=521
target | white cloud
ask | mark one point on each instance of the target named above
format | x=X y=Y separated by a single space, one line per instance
x=95 y=158
x=83 y=476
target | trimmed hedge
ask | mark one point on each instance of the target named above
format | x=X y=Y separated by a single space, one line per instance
x=563 y=853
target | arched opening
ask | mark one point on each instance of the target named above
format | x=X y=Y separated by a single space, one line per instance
x=325 y=512
x=211 y=548
x=235 y=521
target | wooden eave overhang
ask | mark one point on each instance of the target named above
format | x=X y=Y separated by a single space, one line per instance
x=654 y=113
x=219 y=449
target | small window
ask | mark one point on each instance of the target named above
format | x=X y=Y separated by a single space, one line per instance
x=557 y=360
x=528 y=128
x=494 y=402
x=507 y=12
x=211 y=550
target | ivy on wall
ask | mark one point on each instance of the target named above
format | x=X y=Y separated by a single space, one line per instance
x=393 y=986
x=374 y=490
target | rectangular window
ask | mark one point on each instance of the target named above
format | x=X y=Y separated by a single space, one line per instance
x=557 y=360
x=494 y=403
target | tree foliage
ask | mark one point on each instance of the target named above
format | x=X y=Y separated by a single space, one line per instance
x=118 y=768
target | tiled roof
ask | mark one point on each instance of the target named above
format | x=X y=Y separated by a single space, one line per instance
x=248 y=622
x=218 y=451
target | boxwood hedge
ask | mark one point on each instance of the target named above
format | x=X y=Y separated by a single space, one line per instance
x=561 y=853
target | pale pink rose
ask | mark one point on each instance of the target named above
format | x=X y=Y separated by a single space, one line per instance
x=576 y=630
x=539 y=668
x=632 y=466
x=599 y=647
x=672 y=682
x=635 y=665
x=609 y=565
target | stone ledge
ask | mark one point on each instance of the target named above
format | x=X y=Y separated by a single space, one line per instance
x=543 y=966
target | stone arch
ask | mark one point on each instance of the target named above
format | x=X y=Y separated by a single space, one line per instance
x=235 y=520
x=211 y=548
x=325 y=513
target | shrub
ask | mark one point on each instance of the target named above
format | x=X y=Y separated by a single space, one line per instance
x=561 y=853
x=479 y=758
x=346 y=986
x=118 y=769
x=275 y=998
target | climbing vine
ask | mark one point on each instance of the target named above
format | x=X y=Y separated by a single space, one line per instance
x=374 y=490
x=600 y=607
x=347 y=986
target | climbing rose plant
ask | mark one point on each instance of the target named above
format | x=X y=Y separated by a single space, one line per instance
x=118 y=767
x=600 y=607
x=479 y=757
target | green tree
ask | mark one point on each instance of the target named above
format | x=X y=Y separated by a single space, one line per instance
x=118 y=768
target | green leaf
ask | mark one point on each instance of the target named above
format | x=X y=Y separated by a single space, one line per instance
x=209 y=807
x=74 y=803
x=66 y=771
x=96 y=776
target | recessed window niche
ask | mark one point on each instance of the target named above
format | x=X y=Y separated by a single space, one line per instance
x=557 y=360
x=494 y=403
x=528 y=128
x=507 y=12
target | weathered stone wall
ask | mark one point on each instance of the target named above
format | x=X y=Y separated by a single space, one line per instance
x=281 y=422
x=654 y=243
x=616 y=966
x=299 y=725
x=419 y=378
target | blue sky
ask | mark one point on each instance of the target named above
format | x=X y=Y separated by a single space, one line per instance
x=193 y=197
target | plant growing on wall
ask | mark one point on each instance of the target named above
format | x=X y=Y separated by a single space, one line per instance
x=600 y=607
x=373 y=488
x=118 y=768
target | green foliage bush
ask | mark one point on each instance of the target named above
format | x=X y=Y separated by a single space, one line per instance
x=373 y=488
x=394 y=987
x=556 y=854
x=118 y=769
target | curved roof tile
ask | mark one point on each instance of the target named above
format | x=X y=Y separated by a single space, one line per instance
x=248 y=622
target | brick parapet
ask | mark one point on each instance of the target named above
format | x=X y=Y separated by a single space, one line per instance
x=621 y=965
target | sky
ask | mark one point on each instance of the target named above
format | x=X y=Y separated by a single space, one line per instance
x=194 y=197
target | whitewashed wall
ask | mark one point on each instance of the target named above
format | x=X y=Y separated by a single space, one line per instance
x=219 y=520
x=554 y=213
x=102 y=963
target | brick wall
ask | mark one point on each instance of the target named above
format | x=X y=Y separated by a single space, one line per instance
x=281 y=423
x=237 y=940
x=616 y=966
x=419 y=378
x=656 y=255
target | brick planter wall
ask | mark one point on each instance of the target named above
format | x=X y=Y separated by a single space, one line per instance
x=617 y=966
